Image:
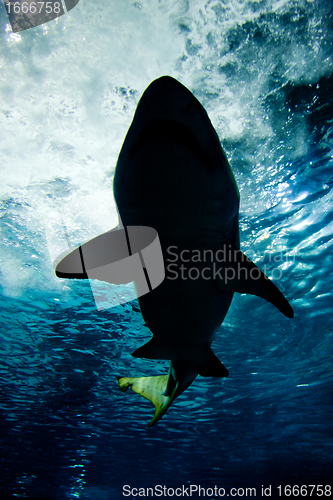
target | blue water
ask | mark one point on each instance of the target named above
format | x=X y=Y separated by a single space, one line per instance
x=68 y=91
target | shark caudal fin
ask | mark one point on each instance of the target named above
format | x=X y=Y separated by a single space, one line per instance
x=199 y=358
x=153 y=389
x=240 y=274
x=161 y=390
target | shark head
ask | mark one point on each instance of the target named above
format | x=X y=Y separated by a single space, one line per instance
x=172 y=170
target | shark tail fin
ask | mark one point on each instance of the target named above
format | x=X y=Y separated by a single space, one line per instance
x=151 y=388
x=200 y=358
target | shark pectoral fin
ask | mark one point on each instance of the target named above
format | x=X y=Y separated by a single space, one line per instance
x=243 y=276
x=106 y=258
x=153 y=389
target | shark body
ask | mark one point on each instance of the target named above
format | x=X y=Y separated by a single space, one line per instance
x=173 y=175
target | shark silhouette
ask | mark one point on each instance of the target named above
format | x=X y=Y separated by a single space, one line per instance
x=173 y=177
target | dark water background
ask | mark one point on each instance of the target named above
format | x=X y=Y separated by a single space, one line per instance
x=68 y=90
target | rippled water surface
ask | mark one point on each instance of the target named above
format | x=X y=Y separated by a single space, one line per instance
x=68 y=91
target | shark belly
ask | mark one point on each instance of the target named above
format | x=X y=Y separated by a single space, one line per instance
x=173 y=191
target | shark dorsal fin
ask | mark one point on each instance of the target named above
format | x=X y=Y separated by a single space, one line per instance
x=241 y=275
